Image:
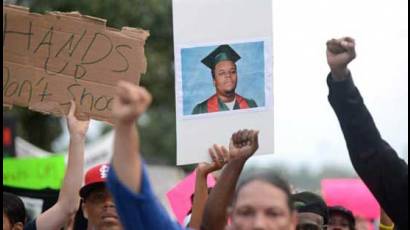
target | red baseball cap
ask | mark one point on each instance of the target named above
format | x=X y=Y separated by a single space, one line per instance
x=97 y=175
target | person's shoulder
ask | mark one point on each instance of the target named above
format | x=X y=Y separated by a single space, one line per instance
x=201 y=107
x=204 y=103
x=251 y=102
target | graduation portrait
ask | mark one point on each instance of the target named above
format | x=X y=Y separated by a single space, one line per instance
x=223 y=78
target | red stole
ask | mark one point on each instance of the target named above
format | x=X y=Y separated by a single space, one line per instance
x=213 y=104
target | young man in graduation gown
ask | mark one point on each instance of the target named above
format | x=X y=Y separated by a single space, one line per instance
x=225 y=78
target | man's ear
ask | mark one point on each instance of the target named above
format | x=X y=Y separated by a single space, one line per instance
x=85 y=214
x=18 y=226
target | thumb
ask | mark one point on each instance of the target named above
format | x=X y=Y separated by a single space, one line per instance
x=71 y=112
x=231 y=145
x=256 y=139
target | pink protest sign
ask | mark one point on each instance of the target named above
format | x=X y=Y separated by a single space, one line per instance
x=179 y=196
x=351 y=194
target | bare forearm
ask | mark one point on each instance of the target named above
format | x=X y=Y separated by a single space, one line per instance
x=68 y=199
x=74 y=173
x=200 y=198
x=126 y=159
x=215 y=215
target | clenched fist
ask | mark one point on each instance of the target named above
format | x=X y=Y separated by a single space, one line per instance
x=243 y=144
x=340 y=52
x=130 y=102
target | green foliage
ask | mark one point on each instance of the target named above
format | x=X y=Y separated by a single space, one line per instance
x=158 y=134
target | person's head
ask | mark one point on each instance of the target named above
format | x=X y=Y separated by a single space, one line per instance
x=312 y=211
x=97 y=203
x=340 y=218
x=14 y=212
x=262 y=201
x=222 y=61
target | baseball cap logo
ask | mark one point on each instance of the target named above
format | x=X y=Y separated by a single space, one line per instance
x=104 y=171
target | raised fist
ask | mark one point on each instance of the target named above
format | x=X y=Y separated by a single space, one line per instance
x=130 y=102
x=244 y=144
x=340 y=52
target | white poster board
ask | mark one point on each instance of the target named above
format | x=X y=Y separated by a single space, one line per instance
x=200 y=27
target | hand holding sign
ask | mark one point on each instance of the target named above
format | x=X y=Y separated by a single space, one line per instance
x=75 y=126
x=219 y=155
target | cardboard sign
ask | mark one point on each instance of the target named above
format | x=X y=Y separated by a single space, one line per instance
x=179 y=196
x=53 y=58
x=244 y=35
x=353 y=195
x=34 y=172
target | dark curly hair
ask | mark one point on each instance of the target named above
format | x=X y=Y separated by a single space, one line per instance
x=14 y=208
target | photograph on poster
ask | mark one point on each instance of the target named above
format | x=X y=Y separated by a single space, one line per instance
x=228 y=77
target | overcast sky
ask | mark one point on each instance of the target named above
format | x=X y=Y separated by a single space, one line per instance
x=307 y=131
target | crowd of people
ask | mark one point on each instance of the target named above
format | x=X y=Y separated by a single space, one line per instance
x=118 y=195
